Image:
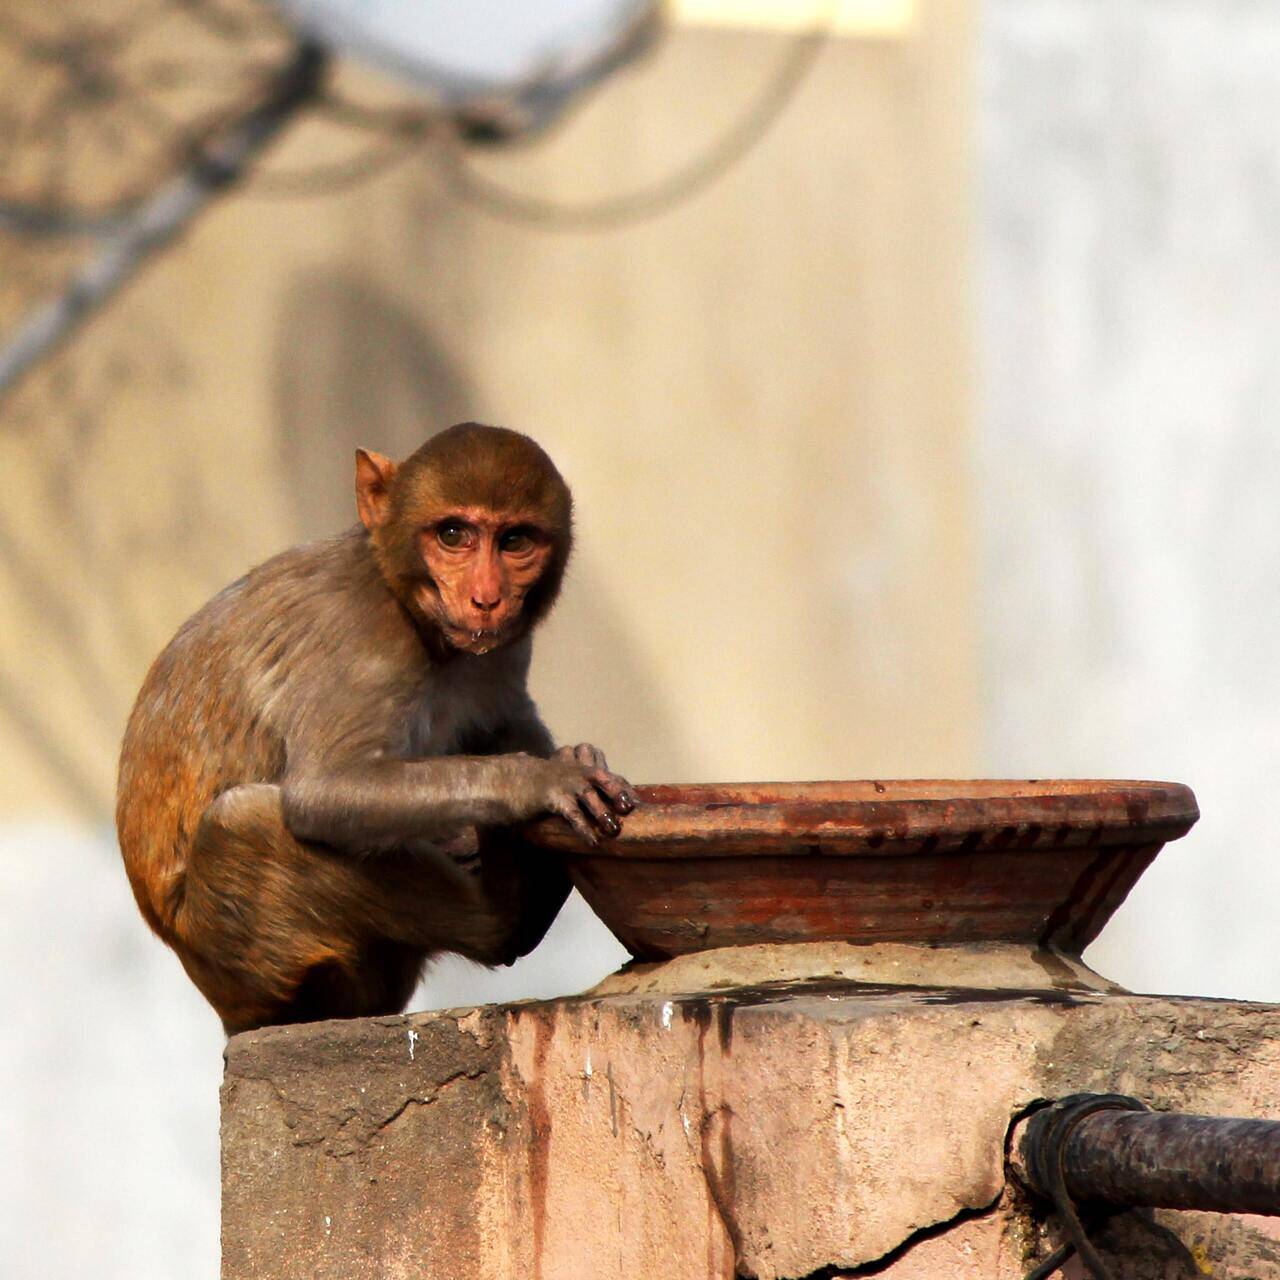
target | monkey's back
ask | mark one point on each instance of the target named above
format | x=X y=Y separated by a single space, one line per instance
x=224 y=703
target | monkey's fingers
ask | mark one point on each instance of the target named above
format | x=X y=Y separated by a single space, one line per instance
x=567 y=807
x=594 y=806
x=616 y=789
x=588 y=756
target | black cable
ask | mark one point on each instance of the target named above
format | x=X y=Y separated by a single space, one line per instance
x=1147 y=1220
x=338 y=175
x=676 y=188
x=1045 y=1269
x=1044 y=1159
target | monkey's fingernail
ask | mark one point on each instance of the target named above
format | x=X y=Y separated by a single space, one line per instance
x=611 y=825
x=626 y=802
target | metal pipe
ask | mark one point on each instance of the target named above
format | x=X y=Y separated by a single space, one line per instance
x=1101 y=1148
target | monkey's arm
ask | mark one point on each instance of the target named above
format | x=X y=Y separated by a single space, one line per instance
x=388 y=802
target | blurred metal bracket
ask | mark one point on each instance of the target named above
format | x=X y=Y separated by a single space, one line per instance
x=498 y=68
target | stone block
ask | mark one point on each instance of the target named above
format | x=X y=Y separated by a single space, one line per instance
x=809 y=1128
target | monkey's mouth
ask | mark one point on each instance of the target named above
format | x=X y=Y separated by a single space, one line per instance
x=478 y=639
x=457 y=635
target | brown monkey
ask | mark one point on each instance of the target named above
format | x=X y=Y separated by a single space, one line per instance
x=319 y=780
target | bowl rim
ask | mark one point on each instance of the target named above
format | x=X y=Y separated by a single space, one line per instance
x=885 y=818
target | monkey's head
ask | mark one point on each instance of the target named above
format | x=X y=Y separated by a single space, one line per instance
x=472 y=532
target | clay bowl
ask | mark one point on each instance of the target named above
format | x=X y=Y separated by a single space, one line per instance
x=720 y=865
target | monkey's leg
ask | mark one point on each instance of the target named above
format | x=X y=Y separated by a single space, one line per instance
x=524 y=885
x=272 y=929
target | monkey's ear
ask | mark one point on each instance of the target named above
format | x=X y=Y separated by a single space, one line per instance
x=374 y=474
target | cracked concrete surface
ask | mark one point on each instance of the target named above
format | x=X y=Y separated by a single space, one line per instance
x=814 y=1130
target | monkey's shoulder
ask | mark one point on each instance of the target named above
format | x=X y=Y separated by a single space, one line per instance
x=311 y=579
x=257 y=656
x=317 y=600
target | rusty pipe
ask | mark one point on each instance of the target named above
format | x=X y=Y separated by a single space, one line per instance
x=1109 y=1148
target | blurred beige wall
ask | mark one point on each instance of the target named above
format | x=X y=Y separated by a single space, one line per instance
x=760 y=397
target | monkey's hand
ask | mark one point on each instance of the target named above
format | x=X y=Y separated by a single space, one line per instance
x=583 y=791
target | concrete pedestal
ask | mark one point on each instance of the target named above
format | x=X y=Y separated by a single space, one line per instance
x=814 y=1127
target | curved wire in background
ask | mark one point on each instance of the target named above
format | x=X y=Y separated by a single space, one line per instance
x=667 y=193
x=607 y=213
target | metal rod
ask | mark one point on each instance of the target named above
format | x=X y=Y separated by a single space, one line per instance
x=1163 y=1160
x=160 y=218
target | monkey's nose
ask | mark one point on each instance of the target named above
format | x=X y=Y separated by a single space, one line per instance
x=486 y=606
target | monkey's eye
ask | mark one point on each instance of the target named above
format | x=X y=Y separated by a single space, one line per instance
x=517 y=541
x=453 y=534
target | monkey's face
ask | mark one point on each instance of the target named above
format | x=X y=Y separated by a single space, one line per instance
x=471 y=532
x=481 y=565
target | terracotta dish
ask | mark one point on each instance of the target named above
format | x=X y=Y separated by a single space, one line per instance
x=719 y=865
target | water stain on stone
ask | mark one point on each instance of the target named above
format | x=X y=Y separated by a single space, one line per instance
x=613 y=1099
x=705 y=1010
x=539 y=1130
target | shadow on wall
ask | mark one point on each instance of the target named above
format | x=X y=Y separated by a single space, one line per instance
x=355 y=368
x=69 y=577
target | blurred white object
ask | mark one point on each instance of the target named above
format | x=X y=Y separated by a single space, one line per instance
x=506 y=66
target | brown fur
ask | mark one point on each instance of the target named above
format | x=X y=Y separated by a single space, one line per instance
x=296 y=812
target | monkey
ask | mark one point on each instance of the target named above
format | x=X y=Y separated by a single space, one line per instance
x=322 y=779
